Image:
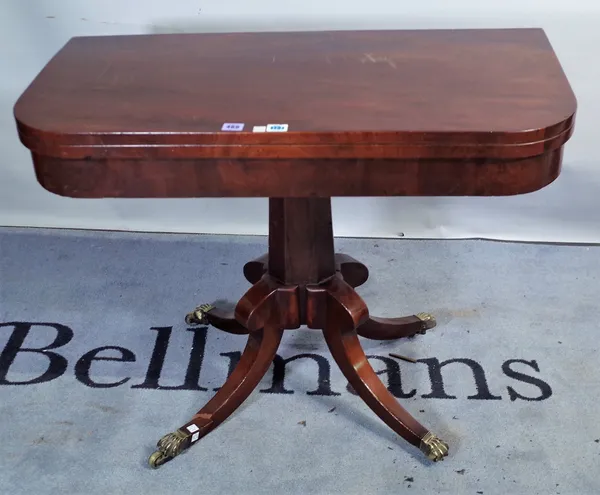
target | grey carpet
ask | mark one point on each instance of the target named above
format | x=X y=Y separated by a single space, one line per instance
x=530 y=428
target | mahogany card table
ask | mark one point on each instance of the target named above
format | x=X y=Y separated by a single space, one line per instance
x=299 y=118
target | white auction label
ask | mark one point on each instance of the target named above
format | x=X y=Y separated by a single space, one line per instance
x=277 y=128
x=232 y=127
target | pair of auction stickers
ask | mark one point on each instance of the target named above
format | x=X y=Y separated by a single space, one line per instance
x=256 y=128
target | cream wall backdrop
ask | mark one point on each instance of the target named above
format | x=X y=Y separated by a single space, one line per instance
x=566 y=211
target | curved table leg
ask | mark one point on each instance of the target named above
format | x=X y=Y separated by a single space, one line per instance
x=254 y=363
x=207 y=314
x=353 y=271
x=345 y=309
x=396 y=328
x=255 y=269
x=254 y=303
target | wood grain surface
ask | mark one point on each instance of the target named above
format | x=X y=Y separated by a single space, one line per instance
x=365 y=102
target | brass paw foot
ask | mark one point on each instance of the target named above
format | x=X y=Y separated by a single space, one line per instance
x=434 y=448
x=427 y=322
x=169 y=446
x=198 y=316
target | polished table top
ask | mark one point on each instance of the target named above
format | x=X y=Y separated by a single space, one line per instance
x=346 y=113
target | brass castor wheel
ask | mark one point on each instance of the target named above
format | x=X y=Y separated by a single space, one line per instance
x=157 y=459
x=198 y=316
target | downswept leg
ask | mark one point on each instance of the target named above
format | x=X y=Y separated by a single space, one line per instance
x=207 y=314
x=259 y=315
x=345 y=312
x=396 y=328
x=254 y=363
